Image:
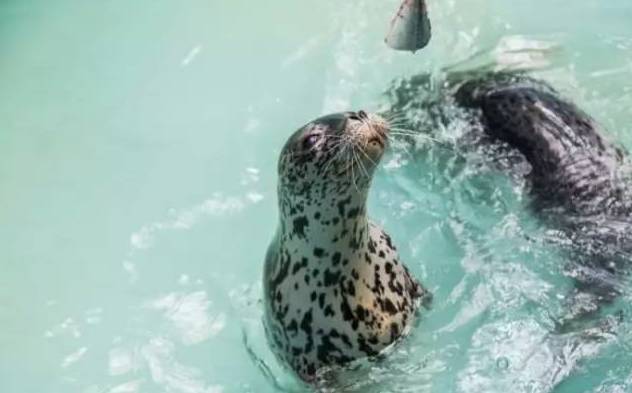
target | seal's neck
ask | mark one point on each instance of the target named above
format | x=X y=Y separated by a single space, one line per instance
x=338 y=222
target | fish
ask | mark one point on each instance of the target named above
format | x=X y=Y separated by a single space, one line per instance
x=410 y=29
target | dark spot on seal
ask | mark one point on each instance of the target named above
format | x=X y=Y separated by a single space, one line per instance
x=292 y=327
x=345 y=309
x=350 y=290
x=299 y=225
x=331 y=278
x=353 y=213
x=360 y=312
x=342 y=206
x=389 y=243
x=371 y=246
x=335 y=259
x=306 y=323
x=298 y=266
x=364 y=347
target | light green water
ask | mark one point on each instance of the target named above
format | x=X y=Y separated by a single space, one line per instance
x=138 y=143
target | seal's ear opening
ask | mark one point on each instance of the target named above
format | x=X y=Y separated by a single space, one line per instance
x=410 y=28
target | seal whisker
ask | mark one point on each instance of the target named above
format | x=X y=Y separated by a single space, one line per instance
x=335 y=145
x=359 y=161
x=361 y=150
x=352 y=157
x=342 y=141
x=342 y=147
x=391 y=115
x=399 y=123
x=353 y=178
x=406 y=132
x=397 y=119
x=436 y=142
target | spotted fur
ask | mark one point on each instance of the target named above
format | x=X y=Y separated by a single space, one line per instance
x=335 y=289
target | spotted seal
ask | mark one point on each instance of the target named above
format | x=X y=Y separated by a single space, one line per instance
x=335 y=289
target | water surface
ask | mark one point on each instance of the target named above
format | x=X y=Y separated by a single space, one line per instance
x=138 y=143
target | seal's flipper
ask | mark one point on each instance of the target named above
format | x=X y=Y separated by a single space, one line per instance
x=410 y=28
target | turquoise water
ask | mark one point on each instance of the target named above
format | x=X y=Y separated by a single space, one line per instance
x=138 y=142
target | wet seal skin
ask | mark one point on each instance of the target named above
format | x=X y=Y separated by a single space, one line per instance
x=335 y=289
x=578 y=180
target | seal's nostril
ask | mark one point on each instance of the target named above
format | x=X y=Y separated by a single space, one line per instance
x=377 y=141
x=363 y=115
x=353 y=116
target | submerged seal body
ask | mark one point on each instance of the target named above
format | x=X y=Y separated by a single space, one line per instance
x=578 y=180
x=572 y=165
x=335 y=290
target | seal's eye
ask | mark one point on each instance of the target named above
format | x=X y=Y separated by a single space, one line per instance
x=310 y=140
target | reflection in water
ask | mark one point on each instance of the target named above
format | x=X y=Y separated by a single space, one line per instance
x=121 y=361
x=148 y=354
x=183 y=220
x=74 y=357
x=190 y=316
x=168 y=373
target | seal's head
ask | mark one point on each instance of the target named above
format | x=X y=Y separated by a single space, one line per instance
x=333 y=153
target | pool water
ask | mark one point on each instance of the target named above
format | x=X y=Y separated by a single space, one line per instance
x=138 y=144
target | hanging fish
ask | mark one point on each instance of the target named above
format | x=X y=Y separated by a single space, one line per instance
x=410 y=28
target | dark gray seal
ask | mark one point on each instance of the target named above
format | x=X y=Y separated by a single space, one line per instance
x=577 y=178
x=335 y=289
x=573 y=165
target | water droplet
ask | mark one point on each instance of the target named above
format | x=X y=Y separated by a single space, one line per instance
x=502 y=363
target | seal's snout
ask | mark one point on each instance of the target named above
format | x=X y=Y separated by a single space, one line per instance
x=370 y=132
